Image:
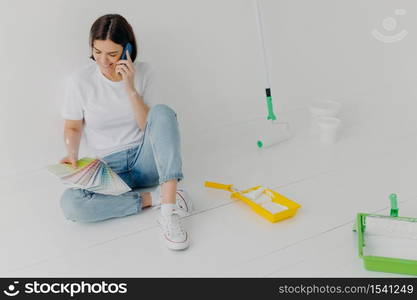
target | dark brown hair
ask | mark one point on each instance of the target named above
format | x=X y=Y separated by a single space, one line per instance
x=115 y=28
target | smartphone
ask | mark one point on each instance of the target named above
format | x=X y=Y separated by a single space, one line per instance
x=129 y=48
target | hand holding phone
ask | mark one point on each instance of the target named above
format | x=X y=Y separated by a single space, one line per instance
x=126 y=68
x=127 y=47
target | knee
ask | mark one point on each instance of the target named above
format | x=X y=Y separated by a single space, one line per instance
x=161 y=111
x=71 y=204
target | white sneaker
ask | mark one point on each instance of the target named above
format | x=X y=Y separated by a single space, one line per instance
x=176 y=238
x=183 y=201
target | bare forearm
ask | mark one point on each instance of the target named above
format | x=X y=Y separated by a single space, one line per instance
x=72 y=139
x=140 y=108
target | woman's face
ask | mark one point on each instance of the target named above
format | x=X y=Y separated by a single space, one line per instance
x=107 y=53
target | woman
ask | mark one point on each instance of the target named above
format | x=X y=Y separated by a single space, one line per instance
x=112 y=102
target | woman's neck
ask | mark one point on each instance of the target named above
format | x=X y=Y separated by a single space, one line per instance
x=114 y=77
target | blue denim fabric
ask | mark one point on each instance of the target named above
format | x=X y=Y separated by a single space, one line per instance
x=155 y=160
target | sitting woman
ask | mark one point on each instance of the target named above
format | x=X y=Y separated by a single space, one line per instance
x=112 y=103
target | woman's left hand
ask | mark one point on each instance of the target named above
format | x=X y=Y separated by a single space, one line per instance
x=127 y=70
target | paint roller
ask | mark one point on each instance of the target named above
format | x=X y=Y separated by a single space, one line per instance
x=387 y=243
x=392 y=226
x=272 y=132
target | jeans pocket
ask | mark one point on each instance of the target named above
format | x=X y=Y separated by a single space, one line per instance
x=117 y=161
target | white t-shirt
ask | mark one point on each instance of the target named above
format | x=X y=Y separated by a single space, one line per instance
x=109 y=121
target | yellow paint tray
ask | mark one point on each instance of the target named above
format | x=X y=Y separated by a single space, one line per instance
x=265 y=202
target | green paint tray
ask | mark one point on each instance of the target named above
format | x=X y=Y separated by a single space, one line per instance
x=385 y=263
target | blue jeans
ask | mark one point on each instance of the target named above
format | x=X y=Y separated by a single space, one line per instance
x=155 y=160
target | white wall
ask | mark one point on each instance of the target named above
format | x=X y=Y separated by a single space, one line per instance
x=323 y=48
x=208 y=59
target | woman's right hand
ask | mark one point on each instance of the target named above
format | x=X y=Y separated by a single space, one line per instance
x=69 y=160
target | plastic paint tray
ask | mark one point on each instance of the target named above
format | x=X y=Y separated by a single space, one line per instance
x=290 y=210
x=382 y=263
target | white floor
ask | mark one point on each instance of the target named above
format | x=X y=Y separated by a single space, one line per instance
x=374 y=157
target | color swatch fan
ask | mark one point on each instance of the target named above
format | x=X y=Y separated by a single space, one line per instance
x=91 y=174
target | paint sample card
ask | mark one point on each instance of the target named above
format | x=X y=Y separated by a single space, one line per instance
x=61 y=170
x=78 y=176
x=91 y=174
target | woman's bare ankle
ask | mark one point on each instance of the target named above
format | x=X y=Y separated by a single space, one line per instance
x=146 y=199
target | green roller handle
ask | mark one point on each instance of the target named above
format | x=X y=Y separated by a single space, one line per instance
x=271 y=115
x=394 y=206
